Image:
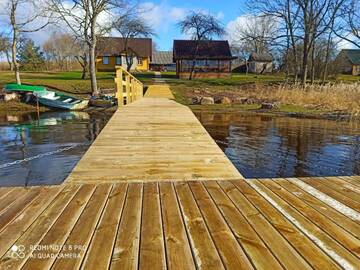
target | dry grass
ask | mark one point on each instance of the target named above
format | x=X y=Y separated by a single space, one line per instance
x=343 y=97
x=331 y=97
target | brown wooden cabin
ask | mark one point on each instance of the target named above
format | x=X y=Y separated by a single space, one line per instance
x=212 y=58
x=348 y=61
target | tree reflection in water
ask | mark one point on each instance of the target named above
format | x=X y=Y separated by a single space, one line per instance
x=26 y=136
x=274 y=146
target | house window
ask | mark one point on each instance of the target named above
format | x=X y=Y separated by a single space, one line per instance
x=105 y=60
x=140 y=61
x=118 y=60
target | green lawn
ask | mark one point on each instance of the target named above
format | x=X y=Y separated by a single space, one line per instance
x=70 y=82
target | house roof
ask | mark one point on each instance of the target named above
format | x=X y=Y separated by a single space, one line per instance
x=162 y=58
x=113 y=46
x=353 y=55
x=208 y=49
x=260 y=57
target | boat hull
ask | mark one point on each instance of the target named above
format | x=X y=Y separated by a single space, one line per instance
x=64 y=106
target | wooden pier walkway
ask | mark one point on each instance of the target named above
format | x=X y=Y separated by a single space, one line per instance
x=240 y=224
x=153 y=139
x=154 y=191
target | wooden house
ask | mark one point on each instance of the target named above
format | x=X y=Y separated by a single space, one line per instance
x=260 y=63
x=348 y=61
x=212 y=58
x=162 y=61
x=111 y=52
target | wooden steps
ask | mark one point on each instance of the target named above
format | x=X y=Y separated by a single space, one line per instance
x=238 y=224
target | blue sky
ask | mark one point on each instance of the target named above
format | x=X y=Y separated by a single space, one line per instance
x=164 y=15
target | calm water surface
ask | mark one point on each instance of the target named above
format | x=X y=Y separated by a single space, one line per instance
x=258 y=145
x=273 y=146
x=56 y=142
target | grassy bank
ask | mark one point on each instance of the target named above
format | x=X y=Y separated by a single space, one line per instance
x=69 y=82
x=341 y=95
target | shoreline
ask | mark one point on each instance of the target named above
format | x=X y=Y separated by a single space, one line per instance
x=19 y=108
x=313 y=114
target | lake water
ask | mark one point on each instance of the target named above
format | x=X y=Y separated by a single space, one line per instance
x=44 y=151
x=273 y=146
x=39 y=152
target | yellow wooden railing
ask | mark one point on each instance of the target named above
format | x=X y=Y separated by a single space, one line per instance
x=128 y=88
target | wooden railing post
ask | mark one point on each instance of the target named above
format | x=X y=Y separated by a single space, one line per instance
x=127 y=85
x=133 y=87
x=119 y=87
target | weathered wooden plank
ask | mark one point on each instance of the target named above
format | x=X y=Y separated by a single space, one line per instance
x=342 y=220
x=58 y=233
x=80 y=237
x=205 y=252
x=348 y=188
x=339 y=186
x=283 y=251
x=152 y=248
x=126 y=249
x=338 y=253
x=178 y=250
x=11 y=197
x=33 y=235
x=20 y=224
x=257 y=251
x=332 y=193
x=98 y=255
x=324 y=233
x=354 y=180
x=230 y=251
x=17 y=207
x=308 y=249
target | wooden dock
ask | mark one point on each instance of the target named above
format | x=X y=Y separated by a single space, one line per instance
x=153 y=139
x=240 y=224
x=154 y=191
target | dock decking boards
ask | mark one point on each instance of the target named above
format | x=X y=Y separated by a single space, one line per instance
x=239 y=224
x=153 y=139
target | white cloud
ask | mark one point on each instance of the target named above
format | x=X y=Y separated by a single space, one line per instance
x=220 y=15
x=161 y=16
x=232 y=26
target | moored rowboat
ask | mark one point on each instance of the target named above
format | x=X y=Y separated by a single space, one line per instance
x=60 y=101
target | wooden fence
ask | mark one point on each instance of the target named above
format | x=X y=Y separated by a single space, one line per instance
x=128 y=88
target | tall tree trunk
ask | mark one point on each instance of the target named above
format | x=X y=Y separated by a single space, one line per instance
x=84 y=66
x=305 y=62
x=14 y=43
x=313 y=63
x=327 y=54
x=15 y=63
x=92 y=70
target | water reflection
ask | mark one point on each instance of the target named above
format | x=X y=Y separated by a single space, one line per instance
x=27 y=136
x=268 y=146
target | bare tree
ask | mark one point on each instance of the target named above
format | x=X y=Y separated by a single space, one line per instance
x=256 y=33
x=23 y=16
x=200 y=26
x=302 y=22
x=5 y=48
x=60 y=48
x=132 y=26
x=350 y=28
x=83 y=18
